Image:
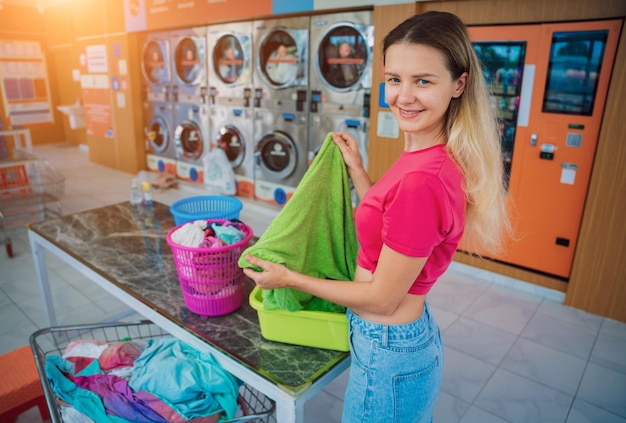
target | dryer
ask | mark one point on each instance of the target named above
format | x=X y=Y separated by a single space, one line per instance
x=189 y=65
x=156 y=65
x=157 y=105
x=230 y=64
x=232 y=130
x=189 y=102
x=280 y=154
x=281 y=63
x=340 y=78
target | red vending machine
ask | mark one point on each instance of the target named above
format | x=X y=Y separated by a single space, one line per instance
x=549 y=84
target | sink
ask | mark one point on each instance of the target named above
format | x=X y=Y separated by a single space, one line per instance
x=75 y=113
x=71 y=109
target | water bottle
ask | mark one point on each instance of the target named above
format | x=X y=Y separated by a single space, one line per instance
x=136 y=196
x=147 y=193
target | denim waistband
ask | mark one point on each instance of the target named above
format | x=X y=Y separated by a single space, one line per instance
x=392 y=331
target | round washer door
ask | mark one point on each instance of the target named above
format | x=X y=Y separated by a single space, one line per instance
x=231 y=141
x=157 y=134
x=188 y=59
x=278 y=58
x=228 y=59
x=277 y=155
x=154 y=62
x=342 y=57
x=189 y=140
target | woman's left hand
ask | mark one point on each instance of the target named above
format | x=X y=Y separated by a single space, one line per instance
x=271 y=276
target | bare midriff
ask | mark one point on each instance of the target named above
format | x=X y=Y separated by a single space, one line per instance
x=410 y=308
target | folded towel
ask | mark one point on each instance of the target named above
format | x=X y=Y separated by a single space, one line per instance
x=313 y=234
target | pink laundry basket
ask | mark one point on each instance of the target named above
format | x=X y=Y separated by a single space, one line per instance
x=210 y=278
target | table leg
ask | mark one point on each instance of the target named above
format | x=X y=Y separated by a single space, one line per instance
x=289 y=411
x=42 y=278
x=28 y=141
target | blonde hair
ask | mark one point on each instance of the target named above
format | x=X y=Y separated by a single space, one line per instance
x=471 y=127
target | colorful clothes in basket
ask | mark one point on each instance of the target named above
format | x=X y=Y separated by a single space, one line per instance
x=170 y=382
x=198 y=234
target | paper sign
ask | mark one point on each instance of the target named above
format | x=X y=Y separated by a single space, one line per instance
x=97 y=59
x=568 y=175
x=121 y=100
x=387 y=125
x=122 y=67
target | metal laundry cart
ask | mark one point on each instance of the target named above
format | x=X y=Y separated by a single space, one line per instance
x=30 y=189
x=254 y=406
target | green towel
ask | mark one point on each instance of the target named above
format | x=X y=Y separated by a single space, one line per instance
x=313 y=234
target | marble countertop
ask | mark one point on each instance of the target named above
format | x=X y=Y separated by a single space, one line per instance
x=128 y=247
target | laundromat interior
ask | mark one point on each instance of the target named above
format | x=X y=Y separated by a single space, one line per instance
x=154 y=85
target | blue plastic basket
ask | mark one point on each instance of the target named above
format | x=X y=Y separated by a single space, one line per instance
x=205 y=207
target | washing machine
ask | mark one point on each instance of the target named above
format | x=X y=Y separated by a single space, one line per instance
x=189 y=84
x=340 y=79
x=232 y=130
x=281 y=63
x=230 y=64
x=191 y=141
x=158 y=127
x=280 y=155
x=157 y=105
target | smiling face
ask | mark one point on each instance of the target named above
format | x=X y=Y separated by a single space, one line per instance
x=418 y=89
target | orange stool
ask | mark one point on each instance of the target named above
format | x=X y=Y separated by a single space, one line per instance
x=20 y=387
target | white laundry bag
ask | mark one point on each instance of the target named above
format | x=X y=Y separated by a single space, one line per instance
x=219 y=177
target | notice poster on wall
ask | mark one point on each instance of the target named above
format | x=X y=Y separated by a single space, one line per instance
x=96 y=92
x=25 y=90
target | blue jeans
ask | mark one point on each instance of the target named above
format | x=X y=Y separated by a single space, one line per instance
x=396 y=371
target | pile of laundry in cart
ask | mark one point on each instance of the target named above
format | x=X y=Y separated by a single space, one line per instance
x=162 y=380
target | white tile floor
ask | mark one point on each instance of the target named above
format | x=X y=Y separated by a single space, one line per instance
x=514 y=353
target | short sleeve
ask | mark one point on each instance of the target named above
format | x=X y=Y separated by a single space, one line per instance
x=417 y=215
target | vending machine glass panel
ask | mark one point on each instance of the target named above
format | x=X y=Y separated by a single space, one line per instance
x=572 y=81
x=503 y=65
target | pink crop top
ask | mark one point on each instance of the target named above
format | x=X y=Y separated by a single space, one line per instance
x=417 y=208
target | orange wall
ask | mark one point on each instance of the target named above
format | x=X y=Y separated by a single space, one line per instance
x=26 y=24
x=93 y=23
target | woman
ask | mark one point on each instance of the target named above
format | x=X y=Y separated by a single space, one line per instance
x=447 y=182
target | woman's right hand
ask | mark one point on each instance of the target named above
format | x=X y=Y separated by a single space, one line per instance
x=271 y=275
x=349 y=150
